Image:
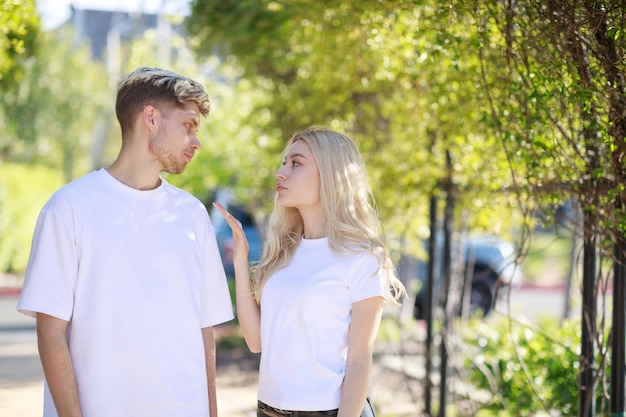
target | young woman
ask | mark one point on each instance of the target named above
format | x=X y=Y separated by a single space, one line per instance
x=314 y=304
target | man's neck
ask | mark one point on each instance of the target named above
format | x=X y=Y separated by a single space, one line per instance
x=135 y=175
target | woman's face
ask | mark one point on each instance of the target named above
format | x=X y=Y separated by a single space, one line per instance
x=298 y=179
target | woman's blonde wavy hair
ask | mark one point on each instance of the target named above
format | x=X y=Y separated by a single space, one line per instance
x=345 y=194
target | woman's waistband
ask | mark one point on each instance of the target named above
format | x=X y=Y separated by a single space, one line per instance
x=295 y=413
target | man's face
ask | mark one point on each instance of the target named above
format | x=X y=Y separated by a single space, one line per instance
x=174 y=141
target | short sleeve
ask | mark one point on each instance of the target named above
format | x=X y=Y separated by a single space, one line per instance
x=52 y=268
x=366 y=278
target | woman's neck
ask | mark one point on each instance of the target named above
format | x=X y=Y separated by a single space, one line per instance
x=314 y=224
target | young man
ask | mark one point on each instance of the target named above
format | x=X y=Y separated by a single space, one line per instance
x=124 y=277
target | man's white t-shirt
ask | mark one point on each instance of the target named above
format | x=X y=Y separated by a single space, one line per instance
x=137 y=274
x=306 y=311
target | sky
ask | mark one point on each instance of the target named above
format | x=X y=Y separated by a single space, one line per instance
x=55 y=12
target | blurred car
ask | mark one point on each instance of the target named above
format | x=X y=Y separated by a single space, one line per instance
x=224 y=235
x=489 y=260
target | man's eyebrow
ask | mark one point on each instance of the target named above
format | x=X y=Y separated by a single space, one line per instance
x=191 y=114
x=194 y=119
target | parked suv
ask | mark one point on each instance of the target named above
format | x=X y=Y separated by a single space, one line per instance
x=489 y=260
x=225 y=236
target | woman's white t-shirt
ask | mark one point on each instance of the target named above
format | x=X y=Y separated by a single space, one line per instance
x=137 y=274
x=306 y=310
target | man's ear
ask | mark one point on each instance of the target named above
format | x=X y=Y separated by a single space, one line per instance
x=148 y=116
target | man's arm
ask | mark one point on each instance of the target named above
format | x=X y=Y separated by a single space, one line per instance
x=208 y=336
x=57 y=364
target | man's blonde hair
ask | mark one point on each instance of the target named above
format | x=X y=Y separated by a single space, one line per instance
x=156 y=87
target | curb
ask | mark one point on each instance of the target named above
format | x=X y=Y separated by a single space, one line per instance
x=10 y=291
x=554 y=287
x=546 y=287
x=11 y=284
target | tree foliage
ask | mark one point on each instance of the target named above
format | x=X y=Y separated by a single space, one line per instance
x=559 y=101
x=48 y=117
x=562 y=87
x=19 y=27
x=24 y=189
x=375 y=70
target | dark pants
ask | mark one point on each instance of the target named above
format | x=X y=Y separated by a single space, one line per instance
x=264 y=410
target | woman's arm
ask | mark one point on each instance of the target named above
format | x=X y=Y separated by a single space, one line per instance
x=366 y=316
x=57 y=364
x=248 y=311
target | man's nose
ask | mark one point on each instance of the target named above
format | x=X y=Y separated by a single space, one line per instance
x=195 y=142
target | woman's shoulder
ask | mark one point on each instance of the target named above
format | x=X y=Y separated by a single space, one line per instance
x=358 y=257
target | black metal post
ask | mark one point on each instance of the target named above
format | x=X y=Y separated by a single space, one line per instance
x=618 y=351
x=428 y=303
x=445 y=287
x=448 y=226
x=586 y=398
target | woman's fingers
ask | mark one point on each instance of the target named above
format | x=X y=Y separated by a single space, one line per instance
x=232 y=222
x=239 y=236
x=221 y=209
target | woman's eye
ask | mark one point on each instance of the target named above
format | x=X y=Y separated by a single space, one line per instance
x=294 y=163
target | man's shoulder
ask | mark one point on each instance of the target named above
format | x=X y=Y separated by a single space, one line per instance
x=66 y=201
x=77 y=187
x=184 y=197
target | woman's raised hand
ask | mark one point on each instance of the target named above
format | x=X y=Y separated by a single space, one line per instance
x=248 y=310
x=240 y=242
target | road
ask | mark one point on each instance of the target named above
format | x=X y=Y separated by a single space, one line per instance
x=21 y=389
x=535 y=302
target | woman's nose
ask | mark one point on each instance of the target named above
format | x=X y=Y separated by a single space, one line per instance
x=280 y=174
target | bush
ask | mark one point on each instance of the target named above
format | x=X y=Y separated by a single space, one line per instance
x=525 y=369
x=23 y=192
